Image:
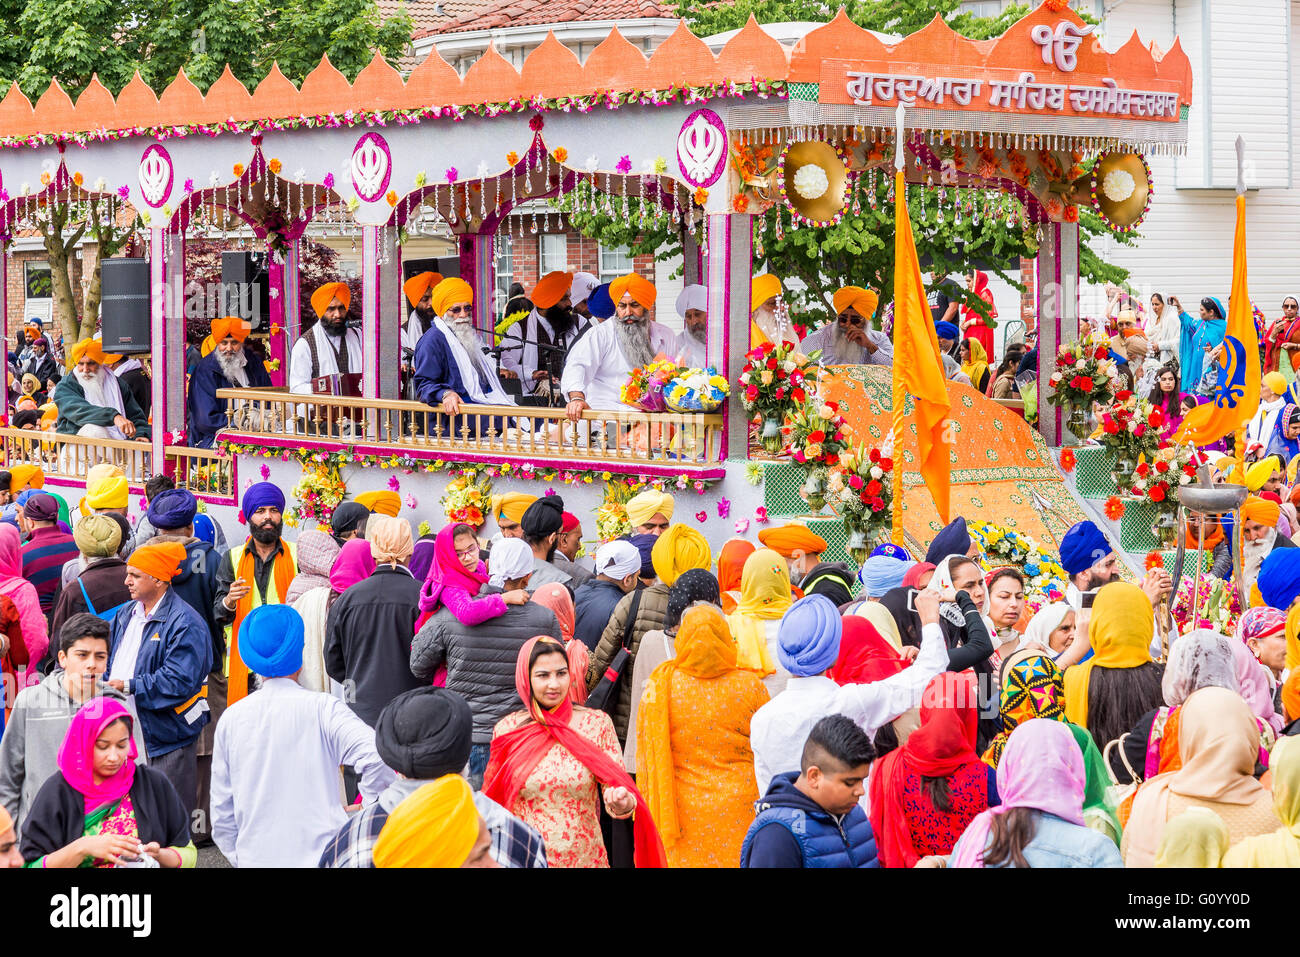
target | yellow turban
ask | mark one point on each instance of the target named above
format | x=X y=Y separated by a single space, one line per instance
x=418 y=285
x=1261 y=510
x=93 y=350
x=641 y=508
x=1276 y=383
x=24 y=477
x=1291 y=469
x=641 y=289
x=678 y=550
x=1259 y=473
x=324 y=295
x=551 y=288
x=790 y=540
x=95 y=475
x=382 y=502
x=863 y=300
x=111 y=492
x=511 y=506
x=451 y=292
x=229 y=326
x=762 y=288
x=390 y=539
x=434 y=827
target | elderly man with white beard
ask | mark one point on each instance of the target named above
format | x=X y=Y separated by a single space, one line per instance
x=599 y=364
x=850 y=340
x=90 y=401
x=1259 y=518
x=766 y=322
x=450 y=367
x=692 y=306
x=228 y=366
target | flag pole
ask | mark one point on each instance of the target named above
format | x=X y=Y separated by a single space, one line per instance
x=1239 y=438
x=899 y=400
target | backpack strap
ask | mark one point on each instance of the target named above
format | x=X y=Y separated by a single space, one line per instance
x=90 y=607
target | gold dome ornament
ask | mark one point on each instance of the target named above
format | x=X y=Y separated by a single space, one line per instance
x=1119 y=188
x=813 y=180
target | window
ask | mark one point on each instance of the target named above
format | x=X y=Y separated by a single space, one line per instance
x=505 y=272
x=615 y=261
x=552 y=253
x=38 y=280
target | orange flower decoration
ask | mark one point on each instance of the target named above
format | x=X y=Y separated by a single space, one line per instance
x=1153 y=560
x=275 y=166
x=560 y=154
x=391 y=196
x=1068 y=461
x=45 y=179
x=239 y=169
x=740 y=204
x=1114 y=508
x=1071 y=214
x=512 y=158
x=78 y=179
x=701 y=196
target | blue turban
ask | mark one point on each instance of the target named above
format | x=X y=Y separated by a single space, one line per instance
x=1279 y=577
x=1083 y=546
x=880 y=573
x=645 y=543
x=259 y=495
x=808 y=639
x=172 y=508
x=953 y=540
x=599 y=303
x=892 y=551
x=947 y=330
x=204 y=530
x=271 y=640
x=10 y=514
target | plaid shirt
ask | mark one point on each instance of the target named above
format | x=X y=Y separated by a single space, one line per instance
x=514 y=843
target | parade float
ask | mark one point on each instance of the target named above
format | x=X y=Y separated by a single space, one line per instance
x=1025 y=127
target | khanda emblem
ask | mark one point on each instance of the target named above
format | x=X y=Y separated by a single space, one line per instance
x=1231 y=384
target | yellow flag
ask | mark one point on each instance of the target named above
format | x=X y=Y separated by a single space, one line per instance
x=1236 y=395
x=917 y=368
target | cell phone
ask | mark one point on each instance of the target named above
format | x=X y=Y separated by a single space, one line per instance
x=1088 y=598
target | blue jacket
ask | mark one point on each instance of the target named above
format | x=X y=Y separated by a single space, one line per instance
x=204 y=412
x=792 y=830
x=170 y=683
x=436 y=372
x=1058 y=843
x=196 y=585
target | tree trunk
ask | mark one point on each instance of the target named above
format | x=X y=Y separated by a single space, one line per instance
x=90 y=312
x=65 y=304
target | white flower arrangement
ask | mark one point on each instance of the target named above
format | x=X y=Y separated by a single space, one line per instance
x=810 y=181
x=1118 y=185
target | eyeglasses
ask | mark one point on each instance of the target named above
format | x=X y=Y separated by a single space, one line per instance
x=460 y=309
x=849 y=320
x=471 y=550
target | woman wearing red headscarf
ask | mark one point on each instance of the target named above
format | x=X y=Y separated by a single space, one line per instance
x=551 y=761
x=924 y=794
x=974 y=325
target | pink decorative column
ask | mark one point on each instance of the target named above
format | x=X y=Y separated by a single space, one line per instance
x=727 y=266
x=276 y=273
x=1058 y=313
x=370 y=292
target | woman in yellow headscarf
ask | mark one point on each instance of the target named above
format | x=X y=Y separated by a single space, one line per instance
x=1109 y=692
x=695 y=765
x=1281 y=848
x=764 y=598
x=975 y=363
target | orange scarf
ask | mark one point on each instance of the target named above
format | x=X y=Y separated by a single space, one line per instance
x=283 y=571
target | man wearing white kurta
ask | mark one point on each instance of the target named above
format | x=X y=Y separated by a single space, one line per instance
x=276 y=792
x=692 y=306
x=599 y=364
x=535 y=348
x=337 y=348
x=808 y=645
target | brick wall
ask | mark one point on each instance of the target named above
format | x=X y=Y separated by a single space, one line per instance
x=16 y=287
x=581 y=253
x=1029 y=298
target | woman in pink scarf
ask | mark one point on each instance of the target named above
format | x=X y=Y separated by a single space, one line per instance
x=1254 y=681
x=23 y=594
x=354 y=563
x=455 y=577
x=1040 y=821
x=557 y=598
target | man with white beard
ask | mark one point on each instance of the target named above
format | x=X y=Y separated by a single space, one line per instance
x=765 y=318
x=450 y=367
x=90 y=401
x=1259 y=518
x=692 y=306
x=850 y=340
x=228 y=366
x=599 y=364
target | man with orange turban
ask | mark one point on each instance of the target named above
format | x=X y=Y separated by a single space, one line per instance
x=535 y=349
x=598 y=366
x=329 y=347
x=160 y=656
x=419 y=293
x=228 y=366
x=850 y=340
x=800 y=547
x=92 y=403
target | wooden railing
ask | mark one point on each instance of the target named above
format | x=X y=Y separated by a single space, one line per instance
x=201 y=471
x=72 y=456
x=520 y=432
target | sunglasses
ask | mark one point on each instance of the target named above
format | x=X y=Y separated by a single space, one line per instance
x=461 y=309
x=849 y=321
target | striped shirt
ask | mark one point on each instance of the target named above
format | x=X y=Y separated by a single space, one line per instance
x=44 y=555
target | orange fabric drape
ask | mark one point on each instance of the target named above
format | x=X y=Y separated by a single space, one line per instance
x=283 y=572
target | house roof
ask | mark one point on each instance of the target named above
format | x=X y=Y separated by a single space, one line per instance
x=523 y=13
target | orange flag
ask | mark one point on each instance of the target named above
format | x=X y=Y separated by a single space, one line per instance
x=917 y=368
x=1236 y=395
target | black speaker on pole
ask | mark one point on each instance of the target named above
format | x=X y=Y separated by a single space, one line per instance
x=124 y=305
x=445 y=266
x=246 y=288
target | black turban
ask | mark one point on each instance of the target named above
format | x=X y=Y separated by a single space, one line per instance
x=347 y=518
x=425 y=733
x=691 y=586
x=832 y=579
x=544 y=516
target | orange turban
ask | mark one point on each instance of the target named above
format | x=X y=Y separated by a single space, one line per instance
x=1261 y=510
x=551 y=288
x=160 y=560
x=230 y=326
x=92 y=349
x=24 y=477
x=641 y=289
x=324 y=295
x=789 y=540
x=863 y=300
x=418 y=285
x=382 y=502
x=451 y=292
x=762 y=288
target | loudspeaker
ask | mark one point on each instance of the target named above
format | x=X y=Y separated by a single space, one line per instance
x=124 y=305
x=446 y=266
x=245 y=287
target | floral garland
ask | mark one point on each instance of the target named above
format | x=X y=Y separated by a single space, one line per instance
x=1218 y=606
x=467 y=498
x=585 y=103
x=318 y=492
x=1045 y=579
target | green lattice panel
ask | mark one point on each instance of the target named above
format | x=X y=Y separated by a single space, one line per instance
x=781 y=483
x=831 y=529
x=1135 y=528
x=806 y=92
x=1189 y=561
x=1092 y=472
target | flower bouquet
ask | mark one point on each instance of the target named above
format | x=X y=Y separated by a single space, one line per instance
x=1216 y=605
x=1045 y=579
x=860 y=488
x=467 y=498
x=1130 y=431
x=318 y=492
x=776 y=380
x=645 y=387
x=816 y=434
x=1084 y=374
x=697 y=390
x=611 y=515
x=1157 y=482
